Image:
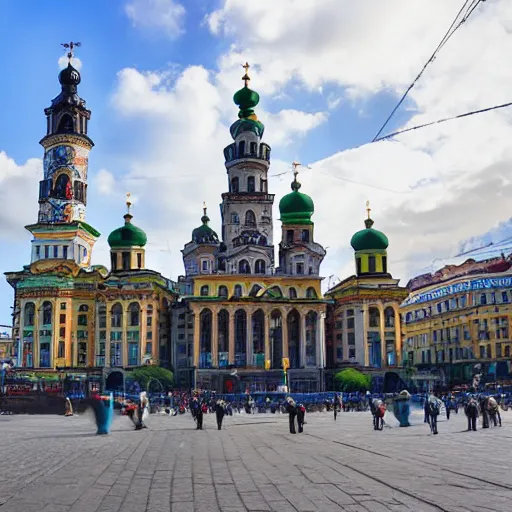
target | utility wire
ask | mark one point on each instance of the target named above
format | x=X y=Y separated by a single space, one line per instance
x=449 y=33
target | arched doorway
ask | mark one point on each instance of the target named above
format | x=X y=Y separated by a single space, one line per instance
x=240 y=337
x=205 y=348
x=223 y=337
x=258 y=339
x=294 y=338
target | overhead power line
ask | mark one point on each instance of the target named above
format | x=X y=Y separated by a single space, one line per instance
x=449 y=33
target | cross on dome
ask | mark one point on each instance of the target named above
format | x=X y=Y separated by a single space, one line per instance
x=246 y=77
x=70 y=46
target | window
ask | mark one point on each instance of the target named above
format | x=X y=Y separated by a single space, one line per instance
x=351 y=338
x=149 y=317
x=504 y=297
x=292 y=293
x=250 y=218
x=149 y=347
x=38 y=251
x=82 y=319
x=65 y=252
x=358 y=265
x=113 y=261
x=116 y=319
x=204 y=265
x=61 y=352
x=339 y=336
x=241 y=149
x=134 y=311
x=251 y=187
x=352 y=353
x=223 y=291
x=204 y=291
x=483 y=298
x=46 y=251
x=507 y=351
x=234 y=218
x=253 y=147
x=238 y=290
x=371 y=265
x=139 y=260
x=235 y=184
x=384 y=263
x=126 y=260
x=482 y=352
x=305 y=235
x=350 y=323
x=254 y=290
x=62 y=332
x=244 y=267
x=311 y=293
x=299 y=269
x=47 y=313
x=29 y=314
x=55 y=251
x=259 y=267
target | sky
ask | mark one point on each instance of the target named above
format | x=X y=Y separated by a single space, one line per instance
x=159 y=76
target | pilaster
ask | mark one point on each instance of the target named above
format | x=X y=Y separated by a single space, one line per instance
x=382 y=336
x=231 y=336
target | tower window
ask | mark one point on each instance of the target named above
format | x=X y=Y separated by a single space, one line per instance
x=244 y=267
x=253 y=148
x=250 y=218
x=289 y=236
x=234 y=185
x=126 y=260
x=205 y=291
x=234 y=218
x=371 y=265
x=205 y=265
x=238 y=290
x=113 y=261
x=223 y=291
x=65 y=124
x=139 y=260
x=358 y=266
x=251 y=187
x=241 y=149
x=65 y=252
x=384 y=263
x=259 y=267
x=299 y=267
x=46 y=251
x=63 y=188
x=311 y=293
x=305 y=235
x=293 y=293
x=55 y=251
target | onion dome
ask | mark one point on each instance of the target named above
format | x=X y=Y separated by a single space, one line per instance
x=69 y=76
x=369 y=238
x=246 y=99
x=204 y=234
x=127 y=235
x=296 y=207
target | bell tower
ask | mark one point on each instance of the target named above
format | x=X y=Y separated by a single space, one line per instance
x=61 y=231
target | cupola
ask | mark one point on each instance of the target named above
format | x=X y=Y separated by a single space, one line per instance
x=204 y=234
x=296 y=207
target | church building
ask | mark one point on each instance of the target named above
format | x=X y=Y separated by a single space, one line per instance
x=72 y=318
x=246 y=322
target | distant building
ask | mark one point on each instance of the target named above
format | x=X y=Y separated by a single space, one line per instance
x=243 y=320
x=457 y=318
x=70 y=317
x=363 y=321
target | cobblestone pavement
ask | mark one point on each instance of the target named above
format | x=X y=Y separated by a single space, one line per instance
x=57 y=464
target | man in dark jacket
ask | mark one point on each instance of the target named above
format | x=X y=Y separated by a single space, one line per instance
x=291 y=409
x=197 y=412
x=220 y=410
x=301 y=413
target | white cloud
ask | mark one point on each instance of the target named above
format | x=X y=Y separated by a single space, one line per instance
x=75 y=62
x=18 y=181
x=162 y=15
x=105 y=182
x=287 y=124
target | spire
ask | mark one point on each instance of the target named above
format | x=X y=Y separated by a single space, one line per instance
x=295 y=184
x=245 y=98
x=368 y=222
x=128 y=216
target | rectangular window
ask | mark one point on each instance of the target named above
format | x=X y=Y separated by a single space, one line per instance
x=139 y=260
x=62 y=350
x=300 y=268
x=149 y=321
x=116 y=354
x=82 y=319
x=103 y=335
x=132 y=336
x=305 y=235
x=289 y=236
x=44 y=355
x=338 y=325
x=483 y=298
x=149 y=335
x=133 y=354
x=339 y=353
x=371 y=265
x=82 y=335
x=350 y=323
x=126 y=260
x=116 y=336
x=62 y=332
x=62 y=316
x=339 y=336
x=352 y=353
x=38 y=251
x=46 y=251
x=55 y=251
x=82 y=354
x=205 y=264
x=350 y=312
x=149 y=347
x=351 y=337
x=65 y=252
x=504 y=297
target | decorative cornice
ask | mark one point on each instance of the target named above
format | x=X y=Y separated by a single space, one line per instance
x=68 y=138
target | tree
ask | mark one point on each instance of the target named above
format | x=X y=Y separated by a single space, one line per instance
x=145 y=374
x=351 y=380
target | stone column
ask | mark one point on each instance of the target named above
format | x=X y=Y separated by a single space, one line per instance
x=303 y=339
x=320 y=361
x=142 y=332
x=249 y=340
x=366 y=323
x=215 y=339
x=382 y=337
x=231 y=336
x=398 y=337
x=38 y=310
x=197 y=336
x=266 y=317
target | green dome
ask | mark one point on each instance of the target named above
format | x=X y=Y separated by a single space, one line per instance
x=127 y=235
x=296 y=207
x=204 y=234
x=369 y=238
x=246 y=99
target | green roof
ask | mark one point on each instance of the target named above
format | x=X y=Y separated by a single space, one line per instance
x=296 y=207
x=127 y=235
x=369 y=238
x=204 y=234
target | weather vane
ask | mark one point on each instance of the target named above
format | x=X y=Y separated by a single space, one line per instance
x=246 y=77
x=368 y=209
x=69 y=46
x=128 y=201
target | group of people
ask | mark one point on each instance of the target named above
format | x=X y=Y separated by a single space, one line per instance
x=199 y=407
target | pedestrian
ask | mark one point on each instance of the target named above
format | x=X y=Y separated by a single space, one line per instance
x=337 y=405
x=291 y=409
x=301 y=414
x=198 y=414
x=220 y=410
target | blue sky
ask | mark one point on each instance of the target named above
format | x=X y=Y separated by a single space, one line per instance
x=158 y=76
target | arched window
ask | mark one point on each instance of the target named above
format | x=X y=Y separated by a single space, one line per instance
x=223 y=291
x=311 y=293
x=234 y=218
x=294 y=338
x=82 y=314
x=63 y=188
x=241 y=149
x=251 y=187
x=254 y=290
x=276 y=338
x=66 y=124
x=47 y=313
x=259 y=267
x=250 y=218
x=134 y=311
x=205 y=290
x=116 y=319
x=304 y=236
x=240 y=337
x=84 y=308
x=258 y=339
x=292 y=293
x=389 y=317
x=311 y=324
x=235 y=185
x=238 y=290
x=254 y=148
x=205 y=322
x=223 y=337
x=28 y=318
x=244 y=267
x=373 y=317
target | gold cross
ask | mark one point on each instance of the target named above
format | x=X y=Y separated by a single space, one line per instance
x=70 y=46
x=368 y=209
x=128 y=201
x=246 y=77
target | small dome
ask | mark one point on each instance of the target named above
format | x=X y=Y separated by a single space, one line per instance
x=69 y=76
x=296 y=207
x=369 y=238
x=204 y=234
x=127 y=235
x=246 y=98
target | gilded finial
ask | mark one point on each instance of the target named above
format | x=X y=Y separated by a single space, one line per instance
x=69 y=46
x=368 y=209
x=204 y=207
x=128 y=201
x=295 y=183
x=205 y=219
x=246 y=77
x=368 y=221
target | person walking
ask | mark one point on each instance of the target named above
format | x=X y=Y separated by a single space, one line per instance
x=337 y=405
x=291 y=409
x=220 y=411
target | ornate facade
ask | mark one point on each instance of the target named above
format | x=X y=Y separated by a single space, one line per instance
x=363 y=322
x=243 y=321
x=458 y=317
x=70 y=316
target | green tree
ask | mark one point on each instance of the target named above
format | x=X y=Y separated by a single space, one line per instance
x=145 y=374
x=351 y=380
